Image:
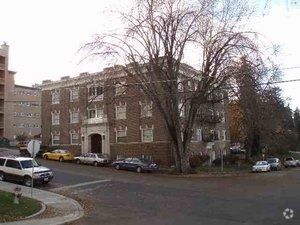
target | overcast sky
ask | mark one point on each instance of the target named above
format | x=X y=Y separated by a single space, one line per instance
x=44 y=36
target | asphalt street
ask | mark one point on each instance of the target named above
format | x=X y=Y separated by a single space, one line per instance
x=121 y=197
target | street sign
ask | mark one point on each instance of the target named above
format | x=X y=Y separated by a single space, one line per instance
x=33 y=147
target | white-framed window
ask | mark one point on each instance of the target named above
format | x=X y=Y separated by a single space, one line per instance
x=120 y=88
x=121 y=134
x=74 y=117
x=74 y=137
x=74 y=94
x=24 y=104
x=223 y=135
x=197 y=135
x=55 y=97
x=219 y=134
x=55 y=138
x=55 y=118
x=95 y=92
x=146 y=109
x=95 y=113
x=121 y=112
x=180 y=86
x=147 y=134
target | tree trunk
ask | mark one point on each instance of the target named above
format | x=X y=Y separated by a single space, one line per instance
x=181 y=159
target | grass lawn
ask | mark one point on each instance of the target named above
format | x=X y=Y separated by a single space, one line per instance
x=9 y=211
x=213 y=169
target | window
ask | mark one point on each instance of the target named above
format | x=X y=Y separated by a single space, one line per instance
x=55 y=118
x=13 y=164
x=147 y=135
x=55 y=97
x=74 y=117
x=219 y=135
x=95 y=113
x=2 y=161
x=223 y=135
x=121 y=135
x=121 y=112
x=95 y=93
x=74 y=138
x=146 y=109
x=222 y=115
x=120 y=88
x=197 y=135
x=55 y=139
x=74 y=94
x=180 y=85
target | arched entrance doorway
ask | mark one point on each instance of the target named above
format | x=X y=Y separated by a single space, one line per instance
x=96 y=143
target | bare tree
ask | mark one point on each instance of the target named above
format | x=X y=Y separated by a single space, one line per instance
x=159 y=36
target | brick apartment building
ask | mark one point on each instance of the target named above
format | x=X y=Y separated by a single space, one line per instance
x=19 y=105
x=107 y=112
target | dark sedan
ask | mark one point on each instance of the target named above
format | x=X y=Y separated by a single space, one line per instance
x=136 y=164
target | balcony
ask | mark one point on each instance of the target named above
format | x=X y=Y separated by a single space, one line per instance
x=95 y=121
x=209 y=137
x=207 y=118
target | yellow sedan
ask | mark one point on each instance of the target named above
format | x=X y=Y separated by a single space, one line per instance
x=59 y=154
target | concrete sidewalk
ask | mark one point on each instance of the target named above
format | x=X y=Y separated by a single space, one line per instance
x=69 y=209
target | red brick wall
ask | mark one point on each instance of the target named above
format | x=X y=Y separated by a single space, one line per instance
x=160 y=152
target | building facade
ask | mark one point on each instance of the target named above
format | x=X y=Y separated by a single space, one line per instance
x=20 y=109
x=25 y=115
x=4 y=77
x=101 y=112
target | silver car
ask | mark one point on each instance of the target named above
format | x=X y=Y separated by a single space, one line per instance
x=261 y=166
x=96 y=159
x=275 y=163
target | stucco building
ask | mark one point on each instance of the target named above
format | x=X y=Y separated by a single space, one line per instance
x=20 y=109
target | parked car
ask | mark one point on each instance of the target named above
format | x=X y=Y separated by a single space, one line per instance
x=96 y=159
x=24 y=169
x=275 y=163
x=136 y=164
x=59 y=154
x=261 y=166
x=289 y=162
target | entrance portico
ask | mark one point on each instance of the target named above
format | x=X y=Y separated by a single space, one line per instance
x=95 y=139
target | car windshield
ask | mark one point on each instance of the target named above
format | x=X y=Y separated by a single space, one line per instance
x=272 y=161
x=28 y=163
x=261 y=163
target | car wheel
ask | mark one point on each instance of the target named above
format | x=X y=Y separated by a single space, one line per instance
x=61 y=159
x=138 y=169
x=78 y=161
x=117 y=166
x=95 y=163
x=2 y=177
x=45 y=157
x=27 y=181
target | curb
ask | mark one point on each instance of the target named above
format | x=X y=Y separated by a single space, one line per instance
x=37 y=213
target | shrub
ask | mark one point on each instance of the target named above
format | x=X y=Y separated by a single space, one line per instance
x=198 y=160
x=227 y=160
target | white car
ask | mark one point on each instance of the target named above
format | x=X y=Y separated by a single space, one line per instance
x=25 y=170
x=289 y=162
x=261 y=166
